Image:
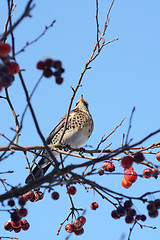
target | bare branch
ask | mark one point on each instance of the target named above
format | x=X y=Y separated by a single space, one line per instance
x=14 y=115
x=106 y=21
x=26 y=13
x=97 y=23
x=104 y=139
x=37 y=38
x=10 y=10
x=92 y=57
x=36 y=122
x=130 y=125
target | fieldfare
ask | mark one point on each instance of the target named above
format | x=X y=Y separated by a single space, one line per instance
x=79 y=129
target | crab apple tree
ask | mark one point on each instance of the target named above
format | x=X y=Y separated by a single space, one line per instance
x=58 y=182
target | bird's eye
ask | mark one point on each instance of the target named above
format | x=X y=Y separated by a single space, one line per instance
x=86 y=104
x=77 y=103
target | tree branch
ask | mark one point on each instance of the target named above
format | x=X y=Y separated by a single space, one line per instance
x=26 y=13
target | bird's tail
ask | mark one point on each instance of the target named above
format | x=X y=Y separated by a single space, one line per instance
x=38 y=171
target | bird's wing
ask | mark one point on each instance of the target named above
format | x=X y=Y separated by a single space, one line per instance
x=56 y=130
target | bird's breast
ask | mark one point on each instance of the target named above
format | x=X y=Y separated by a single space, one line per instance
x=75 y=137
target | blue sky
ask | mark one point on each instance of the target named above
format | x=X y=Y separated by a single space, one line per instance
x=125 y=74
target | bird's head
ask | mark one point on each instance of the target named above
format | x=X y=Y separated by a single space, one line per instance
x=82 y=103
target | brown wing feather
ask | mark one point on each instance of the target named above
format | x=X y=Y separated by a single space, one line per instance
x=55 y=130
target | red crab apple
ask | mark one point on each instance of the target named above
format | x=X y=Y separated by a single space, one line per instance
x=13 y=68
x=79 y=232
x=22 y=201
x=15 y=224
x=23 y=212
x=40 y=65
x=78 y=224
x=126 y=184
x=5 y=49
x=82 y=219
x=129 y=219
x=8 y=226
x=94 y=205
x=130 y=176
x=158 y=156
x=138 y=157
x=108 y=166
x=71 y=190
x=55 y=195
x=24 y=224
x=114 y=214
x=69 y=228
x=147 y=173
x=127 y=162
x=59 y=80
x=29 y=195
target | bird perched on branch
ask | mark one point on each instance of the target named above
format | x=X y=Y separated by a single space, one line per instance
x=78 y=130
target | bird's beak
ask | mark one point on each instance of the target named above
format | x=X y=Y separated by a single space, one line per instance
x=81 y=99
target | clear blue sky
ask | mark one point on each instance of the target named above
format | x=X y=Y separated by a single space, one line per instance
x=125 y=74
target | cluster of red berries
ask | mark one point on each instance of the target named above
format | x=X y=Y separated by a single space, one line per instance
x=77 y=226
x=153 y=207
x=16 y=225
x=7 y=68
x=47 y=67
x=127 y=212
x=17 y=222
x=130 y=176
x=33 y=197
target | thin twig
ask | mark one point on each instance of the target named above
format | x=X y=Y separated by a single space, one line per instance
x=37 y=38
x=10 y=9
x=30 y=96
x=104 y=139
x=26 y=13
x=92 y=57
x=146 y=226
x=36 y=122
x=14 y=115
x=130 y=125
x=131 y=229
x=97 y=23
x=106 y=21
x=8 y=237
x=6 y=172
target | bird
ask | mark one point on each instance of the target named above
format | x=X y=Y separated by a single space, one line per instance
x=78 y=130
